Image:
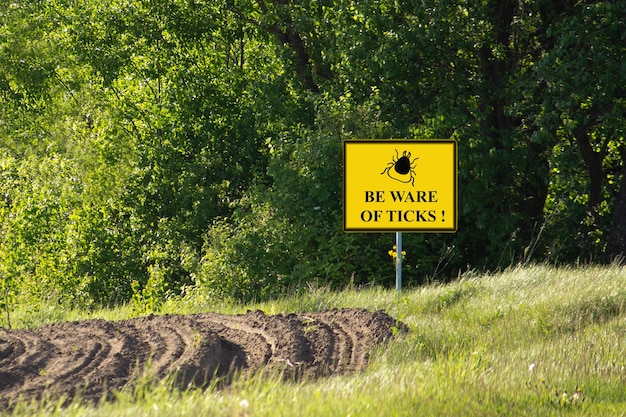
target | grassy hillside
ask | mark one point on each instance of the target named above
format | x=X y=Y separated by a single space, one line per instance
x=530 y=341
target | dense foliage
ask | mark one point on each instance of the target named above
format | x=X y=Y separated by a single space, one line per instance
x=152 y=147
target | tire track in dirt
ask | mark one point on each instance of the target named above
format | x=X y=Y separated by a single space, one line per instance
x=93 y=358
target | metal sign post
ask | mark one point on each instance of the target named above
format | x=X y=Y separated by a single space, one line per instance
x=398 y=261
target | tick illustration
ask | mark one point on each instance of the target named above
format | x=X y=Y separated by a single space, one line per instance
x=402 y=168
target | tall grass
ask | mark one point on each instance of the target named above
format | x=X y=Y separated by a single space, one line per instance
x=534 y=340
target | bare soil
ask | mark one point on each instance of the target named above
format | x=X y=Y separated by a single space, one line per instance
x=95 y=358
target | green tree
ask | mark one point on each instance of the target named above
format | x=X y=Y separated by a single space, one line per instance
x=584 y=80
x=150 y=146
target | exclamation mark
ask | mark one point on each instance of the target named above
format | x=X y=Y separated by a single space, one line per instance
x=443 y=214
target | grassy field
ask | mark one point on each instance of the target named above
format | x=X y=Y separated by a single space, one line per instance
x=534 y=340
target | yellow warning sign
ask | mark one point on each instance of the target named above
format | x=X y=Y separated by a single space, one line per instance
x=400 y=186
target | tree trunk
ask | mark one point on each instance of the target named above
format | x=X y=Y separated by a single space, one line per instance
x=593 y=162
x=287 y=34
x=499 y=128
x=616 y=245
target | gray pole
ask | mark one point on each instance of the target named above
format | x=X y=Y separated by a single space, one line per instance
x=398 y=261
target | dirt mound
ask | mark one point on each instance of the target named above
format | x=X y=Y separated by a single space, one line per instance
x=95 y=357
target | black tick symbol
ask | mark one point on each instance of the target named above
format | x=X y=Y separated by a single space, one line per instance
x=402 y=168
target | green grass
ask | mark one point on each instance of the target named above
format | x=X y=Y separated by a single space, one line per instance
x=534 y=340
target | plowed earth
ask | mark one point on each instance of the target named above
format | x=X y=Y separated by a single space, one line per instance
x=94 y=358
